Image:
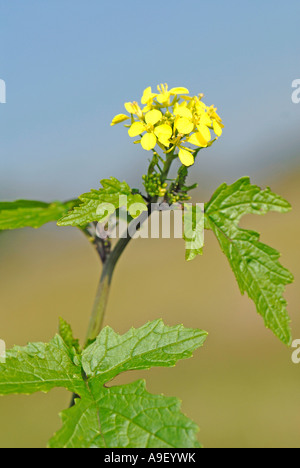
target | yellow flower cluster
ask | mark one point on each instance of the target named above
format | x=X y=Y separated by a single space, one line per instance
x=172 y=119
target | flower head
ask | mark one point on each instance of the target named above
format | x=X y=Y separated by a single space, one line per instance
x=173 y=120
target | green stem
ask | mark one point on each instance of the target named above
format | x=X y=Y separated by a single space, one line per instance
x=101 y=299
x=109 y=263
x=167 y=166
x=100 y=304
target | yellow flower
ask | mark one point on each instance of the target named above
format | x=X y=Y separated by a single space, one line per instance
x=164 y=95
x=155 y=133
x=133 y=108
x=194 y=115
x=190 y=116
x=148 y=96
x=171 y=118
x=118 y=119
x=217 y=121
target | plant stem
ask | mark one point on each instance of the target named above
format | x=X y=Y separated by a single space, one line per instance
x=109 y=262
x=167 y=166
x=101 y=299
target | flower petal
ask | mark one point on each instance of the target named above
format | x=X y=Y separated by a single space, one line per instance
x=136 y=129
x=163 y=133
x=130 y=107
x=217 y=128
x=163 y=97
x=205 y=120
x=148 y=141
x=186 y=158
x=197 y=140
x=153 y=117
x=118 y=119
x=163 y=130
x=184 y=125
x=183 y=111
x=204 y=132
x=147 y=95
x=164 y=141
x=179 y=90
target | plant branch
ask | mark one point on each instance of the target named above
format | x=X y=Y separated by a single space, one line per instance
x=102 y=246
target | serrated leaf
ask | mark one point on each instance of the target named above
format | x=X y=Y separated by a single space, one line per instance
x=150 y=346
x=125 y=417
x=193 y=230
x=30 y=213
x=255 y=265
x=117 y=416
x=39 y=367
x=97 y=205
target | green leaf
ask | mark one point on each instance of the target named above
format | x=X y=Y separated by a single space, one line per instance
x=124 y=416
x=255 y=265
x=65 y=331
x=29 y=213
x=193 y=230
x=97 y=205
x=39 y=367
x=150 y=346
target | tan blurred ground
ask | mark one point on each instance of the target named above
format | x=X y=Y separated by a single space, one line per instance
x=241 y=388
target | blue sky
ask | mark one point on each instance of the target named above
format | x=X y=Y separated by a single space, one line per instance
x=69 y=65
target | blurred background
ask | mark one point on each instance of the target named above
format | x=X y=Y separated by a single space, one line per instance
x=69 y=66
